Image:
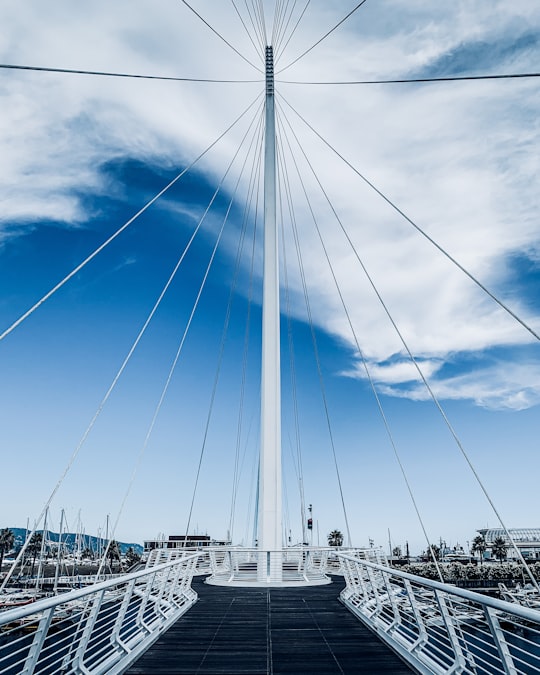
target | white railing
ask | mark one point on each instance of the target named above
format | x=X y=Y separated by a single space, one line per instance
x=229 y=564
x=300 y=565
x=99 y=629
x=161 y=555
x=300 y=562
x=438 y=628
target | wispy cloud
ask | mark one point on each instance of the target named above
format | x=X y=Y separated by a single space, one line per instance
x=459 y=159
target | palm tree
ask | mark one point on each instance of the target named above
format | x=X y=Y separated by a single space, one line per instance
x=7 y=539
x=34 y=547
x=499 y=548
x=479 y=546
x=114 y=552
x=335 y=538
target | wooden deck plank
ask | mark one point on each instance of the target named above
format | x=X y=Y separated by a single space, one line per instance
x=252 y=631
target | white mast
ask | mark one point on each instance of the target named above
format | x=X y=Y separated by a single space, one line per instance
x=270 y=526
x=59 y=553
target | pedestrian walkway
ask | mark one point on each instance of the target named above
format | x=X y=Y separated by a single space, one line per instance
x=282 y=631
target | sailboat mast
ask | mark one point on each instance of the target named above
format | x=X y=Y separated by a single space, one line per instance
x=270 y=527
x=59 y=553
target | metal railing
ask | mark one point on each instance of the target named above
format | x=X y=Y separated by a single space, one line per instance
x=240 y=565
x=438 y=628
x=229 y=563
x=99 y=629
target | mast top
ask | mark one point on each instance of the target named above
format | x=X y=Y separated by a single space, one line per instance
x=269 y=71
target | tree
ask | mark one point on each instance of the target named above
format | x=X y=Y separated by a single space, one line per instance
x=7 y=539
x=396 y=552
x=34 y=548
x=87 y=553
x=132 y=558
x=433 y=551
x=499 y=549
x=479 y=546
x=335 y=538
x=114 y=552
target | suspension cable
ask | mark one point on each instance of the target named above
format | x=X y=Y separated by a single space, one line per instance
x=258 y=49
x=223 y=340
x=102 y=246
x=72 y=71
x=116 y=378
x=255 y=22
x=285 y=25
x=292 y=368
x=219 y=35
x=280 y=50
x=315 y=347
x=436 y=402
x=279 y=17
x=254 y=189
x=323 y=37
x=432 y=241
x=420 y=80
x=253 y=500
x=277 y=11
x=180 y=347
x=262 y=20
x=353 y=331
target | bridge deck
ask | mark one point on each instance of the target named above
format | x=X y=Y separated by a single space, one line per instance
x=234 y=631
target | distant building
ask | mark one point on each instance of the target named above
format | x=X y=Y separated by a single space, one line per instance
x=527 y=540
x=183 y=541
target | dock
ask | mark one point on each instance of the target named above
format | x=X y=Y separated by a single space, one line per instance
x=278 y=631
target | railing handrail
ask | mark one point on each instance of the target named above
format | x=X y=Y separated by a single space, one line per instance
x=17 y=613
x=202 y=549
x=501 y=605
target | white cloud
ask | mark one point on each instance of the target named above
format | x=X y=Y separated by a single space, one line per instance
x=396 y=373
x=460 y=159
x=498 y=387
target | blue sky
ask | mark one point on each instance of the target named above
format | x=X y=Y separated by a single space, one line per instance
x=81 y=155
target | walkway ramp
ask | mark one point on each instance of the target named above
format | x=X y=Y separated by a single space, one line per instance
x=254 y=631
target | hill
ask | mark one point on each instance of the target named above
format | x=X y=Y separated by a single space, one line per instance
x=74 y=542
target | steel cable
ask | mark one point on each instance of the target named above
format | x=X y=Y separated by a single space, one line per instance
x=102 y=246
x=116 y=378
x=436 y=402
x=223 y=339
x=353 y=332
x=219 y=35
x=73 y=71
x=323 y=37
x=418 y=228
x=315 y=346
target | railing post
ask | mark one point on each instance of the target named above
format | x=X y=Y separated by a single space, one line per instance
x=86 y=634
x=350 y=579
x=139 y=621
x=460 y=661
x=115 y=636
x=187 y=578
x=395 y=609
x=500 y=642
x=177 y=585
x=361 y=581
x=422 y=632
x=37 y=642
x=158 y=598
x=374 y=591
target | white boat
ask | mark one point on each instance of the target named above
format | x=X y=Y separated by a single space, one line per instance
x=526 y=595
